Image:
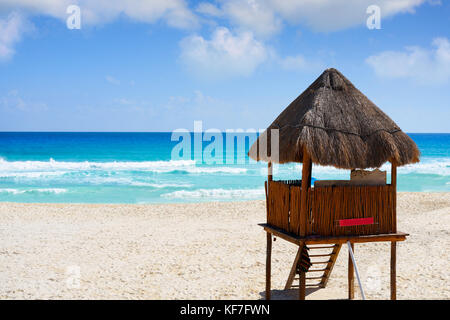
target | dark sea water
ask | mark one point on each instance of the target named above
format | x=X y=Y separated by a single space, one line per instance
x=140 y=168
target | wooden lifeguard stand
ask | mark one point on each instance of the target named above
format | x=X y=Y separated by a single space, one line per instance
x=333 y=124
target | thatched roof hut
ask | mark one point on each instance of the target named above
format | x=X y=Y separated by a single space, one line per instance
x=338 y=126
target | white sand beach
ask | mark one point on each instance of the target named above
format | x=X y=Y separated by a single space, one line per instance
x=200 y=251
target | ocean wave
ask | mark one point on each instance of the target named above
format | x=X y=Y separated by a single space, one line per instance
x=32 y=175
x=161 y=185
x=36 y=169
x=216 y=194
x=38 y=190
x=123 y=181
x=197 y=170
x=87 y=165
x=437 y=166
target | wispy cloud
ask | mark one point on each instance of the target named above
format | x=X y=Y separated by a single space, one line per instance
x=423 y=65
x=236 y=54
x=175 y=13
x=262 y=17
x=13 y=101
x=300 y=63
x=240 y=49
x=12 y=29
x=209 y=9
x=257 y=16
x=252 y=20
x=332 y=15
x=267 y=17
x=112 y=80
x=198 y=100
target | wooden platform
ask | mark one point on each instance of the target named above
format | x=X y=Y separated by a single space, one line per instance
x=390 y=237
x=337 y=242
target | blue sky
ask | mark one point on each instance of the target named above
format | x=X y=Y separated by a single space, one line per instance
x=159 y=65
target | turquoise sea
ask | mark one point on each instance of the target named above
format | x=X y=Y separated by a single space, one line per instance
x=138 y=168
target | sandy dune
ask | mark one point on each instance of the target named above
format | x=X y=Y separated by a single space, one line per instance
x=199 y=251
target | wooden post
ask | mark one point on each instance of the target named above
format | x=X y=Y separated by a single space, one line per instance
x=268 y=262
x=269 y=171
x=293 y=271
x=351 y=283
x=393 y=270
x=309 y=173
x=267 y=186
x=306 y=185
x=269 y=236
x=394 y=186
x=393 y=243
x=302 y=286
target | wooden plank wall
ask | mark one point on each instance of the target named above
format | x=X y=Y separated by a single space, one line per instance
x=331 y=204
x=279 y=204
x=294 y=222
x=283 y=202
x=327 y=205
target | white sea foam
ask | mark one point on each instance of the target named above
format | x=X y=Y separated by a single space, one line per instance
x=40 y=168
x=31 y=174
x=230 y=170
x=438 y=166
x=11 y=191
x=53 y=165
x=216 y=194
x=161 y=185
x=131 y=182
x=37 y=190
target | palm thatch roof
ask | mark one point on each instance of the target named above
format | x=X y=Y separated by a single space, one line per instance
x=338 y=126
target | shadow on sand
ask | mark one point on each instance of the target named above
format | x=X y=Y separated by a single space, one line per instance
x=290 y=294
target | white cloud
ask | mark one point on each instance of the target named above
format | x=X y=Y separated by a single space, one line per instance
x=56 y=8
x=11 y=31
x=253 y=15
x=331 y=15
x=266 y=17
x=256 y=16
x=225 y=54
x=426 y=66
x=208 y=9
x=174 y=12
x=262 y=17
x=229 y=54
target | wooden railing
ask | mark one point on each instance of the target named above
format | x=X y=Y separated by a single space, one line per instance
x=327 y=205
